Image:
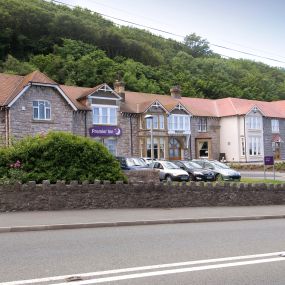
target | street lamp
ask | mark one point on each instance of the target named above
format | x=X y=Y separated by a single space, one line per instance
x=150 y=117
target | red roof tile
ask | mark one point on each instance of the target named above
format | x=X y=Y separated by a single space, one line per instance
x=138 y=102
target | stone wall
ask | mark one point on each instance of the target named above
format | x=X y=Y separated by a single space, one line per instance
x=128 y=142
x=2 y=128
x=267 y=137
x=213 y=133
x=31 y=197
x=21 y=113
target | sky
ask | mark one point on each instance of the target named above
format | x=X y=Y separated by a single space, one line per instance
x=251 y=26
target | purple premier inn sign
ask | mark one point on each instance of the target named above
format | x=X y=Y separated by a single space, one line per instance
x=105 y=131
x=268 y=160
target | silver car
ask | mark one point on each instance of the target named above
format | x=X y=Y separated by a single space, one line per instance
x=169 y=171
x=222 y=171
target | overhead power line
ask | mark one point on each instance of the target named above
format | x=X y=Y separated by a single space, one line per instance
x=174 y=34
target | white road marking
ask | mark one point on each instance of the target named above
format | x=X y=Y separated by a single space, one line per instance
x=173 y=271
x=142 y=268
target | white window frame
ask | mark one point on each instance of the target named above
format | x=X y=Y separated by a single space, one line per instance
x=254 y=122
x=242 y=145
x=202 y=125
x=275 y=126
x=45 y=110
x=177 y=122
x=255 y=144
x=108 y=108
x=108 y=142
x=157 y=121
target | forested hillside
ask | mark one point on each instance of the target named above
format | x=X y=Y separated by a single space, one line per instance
x=79 y=47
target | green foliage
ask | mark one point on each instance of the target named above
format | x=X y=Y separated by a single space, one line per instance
x=78 y=47
x=14 y=66
x=59 y=156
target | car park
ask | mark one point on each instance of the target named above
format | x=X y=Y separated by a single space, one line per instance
x=222 y=171
x=195 y=171
x=170 y=171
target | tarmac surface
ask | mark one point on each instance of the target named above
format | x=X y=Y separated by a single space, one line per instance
x=93 y=218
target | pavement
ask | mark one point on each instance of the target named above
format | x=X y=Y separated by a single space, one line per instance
x=95 y=218
x=260 y=174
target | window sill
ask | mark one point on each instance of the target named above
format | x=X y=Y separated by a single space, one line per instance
x=43 y=121
x=111 y=125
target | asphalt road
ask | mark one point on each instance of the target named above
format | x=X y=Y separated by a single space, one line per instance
x=260 y=174
x=32 y=255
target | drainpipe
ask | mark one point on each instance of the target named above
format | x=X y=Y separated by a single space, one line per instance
x=131 y=133
x=190 y=148
x=7 y=126
x=245 y=139
x=85 y=123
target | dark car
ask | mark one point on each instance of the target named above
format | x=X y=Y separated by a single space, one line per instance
x=131 y=163
x=195 y=171
x=222 y=171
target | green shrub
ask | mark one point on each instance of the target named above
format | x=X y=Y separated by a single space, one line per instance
x=60 y=156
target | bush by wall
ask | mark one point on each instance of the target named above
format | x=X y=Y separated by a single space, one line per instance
x=58 y=156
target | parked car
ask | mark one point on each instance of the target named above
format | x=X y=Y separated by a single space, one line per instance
x=131 y=163
x=148 y=160
x=222 y=171
x=170 y=171
x=195 y=171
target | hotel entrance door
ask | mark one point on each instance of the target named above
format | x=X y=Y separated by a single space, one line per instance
x=174 y=149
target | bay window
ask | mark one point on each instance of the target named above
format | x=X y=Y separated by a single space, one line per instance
x=157 y=121
x=179 y=123
x=104 y=115
x=254 y=122
x=255 y=145
x=158 y=147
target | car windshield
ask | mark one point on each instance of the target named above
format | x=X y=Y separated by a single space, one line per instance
x=221 y=165
x=169 y=165
x=134 y=162
x=191 y=164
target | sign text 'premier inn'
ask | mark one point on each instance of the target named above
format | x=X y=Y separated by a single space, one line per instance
x=105 y=131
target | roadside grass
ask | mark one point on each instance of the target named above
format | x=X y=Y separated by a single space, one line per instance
x=257 y=180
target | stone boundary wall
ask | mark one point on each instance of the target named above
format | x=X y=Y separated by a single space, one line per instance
x=46 y=196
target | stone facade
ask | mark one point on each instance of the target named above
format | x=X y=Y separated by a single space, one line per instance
x=128 y=143
x=212 y=134
x=59 y=196
x=3 y=136
x=268 y=137
x=21 y=113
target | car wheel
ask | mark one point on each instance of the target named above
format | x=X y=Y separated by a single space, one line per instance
x=219 y=177
x=168 y=178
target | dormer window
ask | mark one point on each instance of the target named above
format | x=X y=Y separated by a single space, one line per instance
x=41 y=110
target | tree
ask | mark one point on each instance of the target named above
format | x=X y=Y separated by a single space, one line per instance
x=198 y=46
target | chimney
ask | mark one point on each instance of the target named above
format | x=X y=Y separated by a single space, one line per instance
x=119 y=88
x=175 y=92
